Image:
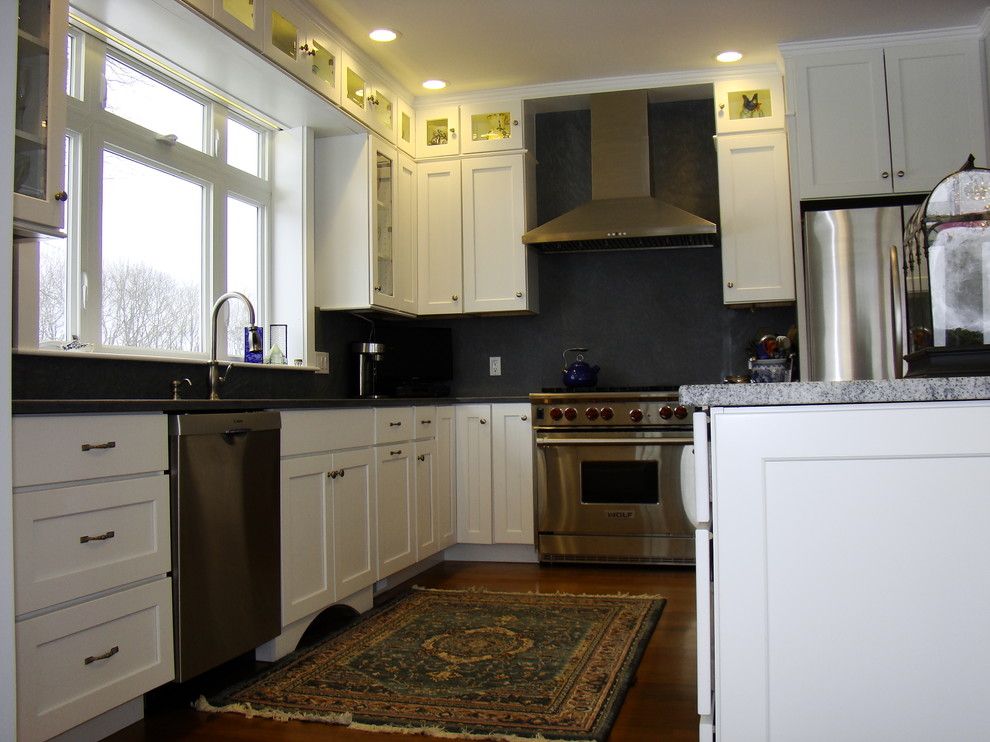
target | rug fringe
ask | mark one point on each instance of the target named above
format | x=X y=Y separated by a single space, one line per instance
x=560 y=594
x=345 y=719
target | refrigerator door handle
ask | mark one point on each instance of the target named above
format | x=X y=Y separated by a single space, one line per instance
x=896 y=300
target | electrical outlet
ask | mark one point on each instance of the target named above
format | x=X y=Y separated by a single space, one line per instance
x=322 y=362
x=495 y=365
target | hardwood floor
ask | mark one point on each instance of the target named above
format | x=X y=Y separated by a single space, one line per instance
x=661 y=704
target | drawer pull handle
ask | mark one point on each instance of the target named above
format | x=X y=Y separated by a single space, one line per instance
x=104 y=537
x=395 y=453
x=425 y=422
x=421 y=457
x=395 y=425
x=105 y=656
x=96 y=446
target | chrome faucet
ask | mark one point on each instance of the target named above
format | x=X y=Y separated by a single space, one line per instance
x=255 y=341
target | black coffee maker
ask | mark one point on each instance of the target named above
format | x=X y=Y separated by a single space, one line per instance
x=368 y=356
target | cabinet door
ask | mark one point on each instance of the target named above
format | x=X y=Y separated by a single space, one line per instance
x=437 y=132
x=439 y=246
x=494 y=221
x=404 y=238
x=755 y=205
x=307 y=537
x=426 y=498
x=243 y=18
x=405 y=128
x=474 y=474
x=850 y=571
x=491 y=127
x=320 y=62
x=382 y=111
x=39 y=115
x=354 y=521
x=840 y=108
x=383 y=194
x=512 y=475
x=396 y=508
x=354 y=89
x=937 y=114
x=446 y=478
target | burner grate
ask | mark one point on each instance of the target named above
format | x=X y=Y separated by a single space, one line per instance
x=609 y=389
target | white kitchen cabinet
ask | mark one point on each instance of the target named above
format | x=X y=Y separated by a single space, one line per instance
x=39 y=117
x=439 y=243
x=491 y=126
x=497 y=273
x=366 y=98
x=755 y=208
x=427 y=496
x=494 y=474
x=355 y=536
x=365 y=251
x=405 y=128
x=396 y=507
x=892 y=120
x=300 y=46
x=243 y=18
x=437 y=132
x=849 y=567
x=446 y=478
x=92 y=551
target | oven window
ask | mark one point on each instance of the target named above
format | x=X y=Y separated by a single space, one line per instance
x=620 y=482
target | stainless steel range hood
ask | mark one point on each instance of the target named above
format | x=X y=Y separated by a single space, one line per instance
x=622 y=213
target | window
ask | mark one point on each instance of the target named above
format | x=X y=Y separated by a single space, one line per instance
x=173 y=210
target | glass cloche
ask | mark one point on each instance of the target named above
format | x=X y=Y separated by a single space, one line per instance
x=947 y=277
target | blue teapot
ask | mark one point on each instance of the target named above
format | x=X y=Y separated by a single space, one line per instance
x=579 y=373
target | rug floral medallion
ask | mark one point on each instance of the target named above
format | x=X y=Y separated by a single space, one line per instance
x=465 y=663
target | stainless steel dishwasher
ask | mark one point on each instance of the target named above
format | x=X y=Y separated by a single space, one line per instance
x=225 y=536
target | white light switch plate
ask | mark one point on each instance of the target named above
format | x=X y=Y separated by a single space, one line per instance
x=322 y=362
x=495 y=365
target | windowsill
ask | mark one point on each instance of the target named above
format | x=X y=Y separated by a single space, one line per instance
x=58 y=353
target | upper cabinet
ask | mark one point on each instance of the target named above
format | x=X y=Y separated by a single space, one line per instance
x=301 y=47
x=405 y=128
x=40 y=190
x=891 y=120
x=490 y=127
x=437 y=132
x=243 y=18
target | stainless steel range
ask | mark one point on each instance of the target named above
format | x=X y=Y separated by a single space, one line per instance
x=614 y=477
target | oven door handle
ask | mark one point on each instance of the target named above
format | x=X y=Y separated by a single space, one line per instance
x=682 y=441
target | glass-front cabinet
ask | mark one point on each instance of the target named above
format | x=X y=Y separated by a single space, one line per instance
x=382 y=110
x=382 y=251
x=393 y=238
x=491 y=127
x=405 y=128
x=354 y=88
x=322 y=64
x=39 y=115
x=243 y=18
x=437 y=132
x=301 y=47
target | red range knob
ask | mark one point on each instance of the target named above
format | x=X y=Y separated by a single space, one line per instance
x=591 y=413
x=570 y=413
x=666 y=413
x=607 y=413
x=636 y=415
x=680 y=412
x=556 y=413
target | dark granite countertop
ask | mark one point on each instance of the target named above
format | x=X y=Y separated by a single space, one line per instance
x=76 y=406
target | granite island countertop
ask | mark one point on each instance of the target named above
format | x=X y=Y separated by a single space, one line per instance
x=940 y=389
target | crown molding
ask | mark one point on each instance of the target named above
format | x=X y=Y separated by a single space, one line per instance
x=851 y=43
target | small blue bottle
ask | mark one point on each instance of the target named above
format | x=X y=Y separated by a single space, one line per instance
x=253 y=344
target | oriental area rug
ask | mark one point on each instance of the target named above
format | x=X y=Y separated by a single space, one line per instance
x=458 y=663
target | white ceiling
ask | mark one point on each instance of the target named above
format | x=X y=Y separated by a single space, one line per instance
x=483 y=44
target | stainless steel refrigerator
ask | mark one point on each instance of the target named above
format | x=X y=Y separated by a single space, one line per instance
x=853 y=291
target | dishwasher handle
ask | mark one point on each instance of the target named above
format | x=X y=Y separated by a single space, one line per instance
x=236 y=431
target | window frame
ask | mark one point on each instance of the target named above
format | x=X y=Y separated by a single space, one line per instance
x=95 y=130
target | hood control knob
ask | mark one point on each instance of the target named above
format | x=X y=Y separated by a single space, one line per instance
x=636 y=415
x=591 y=413
x=680 y=412
x=607 y=413
x=556 y=413
x=570 y=413
x=666 y=413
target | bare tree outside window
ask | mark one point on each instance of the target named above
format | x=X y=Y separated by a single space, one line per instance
x=148 y=308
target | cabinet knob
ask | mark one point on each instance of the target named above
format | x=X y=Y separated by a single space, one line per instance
x=483 y=421
x=519 y=294
x=524 y=418
x=515 y=122
x=884 y=175
x=332 y=474
x=62 y=196
x=341 y=473
x=455 y=297
x=378 y=289
x=900 y=173
x=421 y=457
x=730 y=284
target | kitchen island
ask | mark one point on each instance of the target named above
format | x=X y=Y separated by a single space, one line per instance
x=842 y=588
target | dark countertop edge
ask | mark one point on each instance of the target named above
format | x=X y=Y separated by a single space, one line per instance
x=77 y=406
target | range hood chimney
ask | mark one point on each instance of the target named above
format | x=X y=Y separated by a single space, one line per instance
x=622 y=213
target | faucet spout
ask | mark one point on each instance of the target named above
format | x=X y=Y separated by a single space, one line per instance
x=215 y=378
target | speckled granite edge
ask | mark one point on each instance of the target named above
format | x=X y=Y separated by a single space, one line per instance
x=837 y=392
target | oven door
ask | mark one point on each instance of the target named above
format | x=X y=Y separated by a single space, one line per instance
x=615 y=482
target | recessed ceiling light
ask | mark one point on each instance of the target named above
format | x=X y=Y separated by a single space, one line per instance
x=729 y=56
x=383 y=34
x=435 y=84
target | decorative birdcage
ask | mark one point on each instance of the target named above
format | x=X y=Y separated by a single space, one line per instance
x=947 y=277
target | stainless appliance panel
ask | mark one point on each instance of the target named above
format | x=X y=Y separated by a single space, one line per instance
x=852 y=294
x=225 y=536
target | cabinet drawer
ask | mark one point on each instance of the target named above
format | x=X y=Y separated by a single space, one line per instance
x=66 y=448
x=314 y=431
x=78 y=662
x=393 y=424
x=75 y=541
x=425 y=422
